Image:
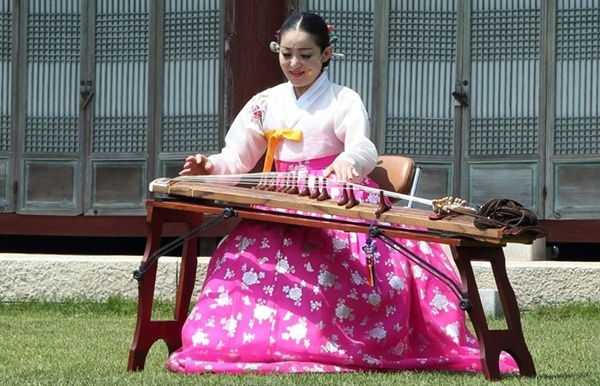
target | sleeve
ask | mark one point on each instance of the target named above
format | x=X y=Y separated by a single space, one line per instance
x=245 y=142
x=352 y=127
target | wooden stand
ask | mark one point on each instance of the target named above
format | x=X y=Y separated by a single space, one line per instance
x=148 y=331
x=493 y=342
x=464 y=251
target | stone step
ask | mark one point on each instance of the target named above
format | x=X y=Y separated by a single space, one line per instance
x=66 y=277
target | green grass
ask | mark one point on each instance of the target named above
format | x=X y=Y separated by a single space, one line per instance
x=87 y=343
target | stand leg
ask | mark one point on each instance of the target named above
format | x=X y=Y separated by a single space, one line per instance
x=148 y=331
x=493 y=342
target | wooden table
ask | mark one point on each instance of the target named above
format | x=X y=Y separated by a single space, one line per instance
x=467 y=245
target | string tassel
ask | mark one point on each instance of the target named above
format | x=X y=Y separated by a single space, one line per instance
x=369 y=248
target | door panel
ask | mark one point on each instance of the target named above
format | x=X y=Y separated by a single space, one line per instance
x=119 y=133
x=574 y=146
x=502 y=137
x=190 y=116
x=50 y=136
x=6 y=68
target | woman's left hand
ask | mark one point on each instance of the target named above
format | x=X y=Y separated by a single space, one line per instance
x=344 y=171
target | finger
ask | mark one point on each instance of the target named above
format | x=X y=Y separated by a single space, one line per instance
x=208 y=166
x=350 y=174
x=339 y=174
x=200 y=159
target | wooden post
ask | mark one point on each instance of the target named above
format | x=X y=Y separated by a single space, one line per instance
x=250 y=66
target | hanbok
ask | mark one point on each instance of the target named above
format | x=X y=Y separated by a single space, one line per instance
x=284 y=298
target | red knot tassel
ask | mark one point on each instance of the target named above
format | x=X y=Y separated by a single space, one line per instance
x=369 y=249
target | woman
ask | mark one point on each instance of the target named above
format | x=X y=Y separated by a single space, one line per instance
x=282 y=298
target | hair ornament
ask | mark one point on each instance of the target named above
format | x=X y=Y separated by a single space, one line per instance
x=332 y=38
x=274 y=47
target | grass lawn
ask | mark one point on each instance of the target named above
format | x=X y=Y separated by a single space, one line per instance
x=87 y=343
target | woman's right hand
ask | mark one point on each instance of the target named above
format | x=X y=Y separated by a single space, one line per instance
x=196 y=165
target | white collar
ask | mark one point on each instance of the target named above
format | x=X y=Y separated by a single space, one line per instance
x=311 y=91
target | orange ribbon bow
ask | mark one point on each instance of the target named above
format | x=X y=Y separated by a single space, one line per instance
x=274 y=136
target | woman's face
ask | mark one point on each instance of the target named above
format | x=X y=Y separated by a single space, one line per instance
x=301 y=60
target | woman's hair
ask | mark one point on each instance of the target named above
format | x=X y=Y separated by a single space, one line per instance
x=310 y=23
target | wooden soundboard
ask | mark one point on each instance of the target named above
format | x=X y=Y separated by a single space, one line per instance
x=455 y=224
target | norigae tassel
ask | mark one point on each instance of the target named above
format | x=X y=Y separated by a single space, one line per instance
x=369 y=248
